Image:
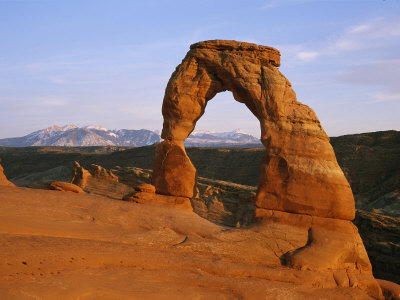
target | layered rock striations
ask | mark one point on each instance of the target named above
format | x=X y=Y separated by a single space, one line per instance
x=100 y=181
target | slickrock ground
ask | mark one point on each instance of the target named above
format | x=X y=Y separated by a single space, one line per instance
x=60 y=245
x=230 y=204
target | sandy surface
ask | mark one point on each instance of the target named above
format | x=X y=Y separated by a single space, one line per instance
x=59 y=245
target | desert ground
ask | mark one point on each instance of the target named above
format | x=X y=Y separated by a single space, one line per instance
x=61 y=245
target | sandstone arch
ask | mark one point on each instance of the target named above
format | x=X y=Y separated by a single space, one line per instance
x=299 y=173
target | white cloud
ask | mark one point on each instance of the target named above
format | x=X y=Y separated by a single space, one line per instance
x=53 y=103
x=385 y=96
x=306 y=56
x=383 y=75
x=278 y=3
x=359 y=28
x=378 y=36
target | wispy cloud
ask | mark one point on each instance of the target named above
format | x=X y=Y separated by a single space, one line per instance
x=278 y=3
x=385 y=97
x=307 y=55
x=364 y=37
x=383 y=74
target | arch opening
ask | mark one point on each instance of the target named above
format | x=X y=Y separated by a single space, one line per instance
x=218 y=127
x=224 y=114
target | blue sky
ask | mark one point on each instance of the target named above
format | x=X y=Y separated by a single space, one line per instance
x=107 y=62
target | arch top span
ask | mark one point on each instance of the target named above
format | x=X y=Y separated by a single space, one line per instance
x=248 y=70
x=264 y=53
x=299 y=172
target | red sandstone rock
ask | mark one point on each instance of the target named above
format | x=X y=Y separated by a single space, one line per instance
x=301 y=186
x=80 y=175
x=99 y=246
x=99 y=181
x=3 y=178
x=299 y=173
x=390 y=289
x=147 y=188
x=65 y=187
x=100 y=172
x=173 y=172
x=331 y=244
x=152 y=198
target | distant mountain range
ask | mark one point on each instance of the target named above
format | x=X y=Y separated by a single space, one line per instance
x=236 y=138
x=71 y=135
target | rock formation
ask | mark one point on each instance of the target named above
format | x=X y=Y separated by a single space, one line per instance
x=300 y=173
x=301 y=184
x=146 y=193
x=65 y=187
x=100 y=181
x=3 y=178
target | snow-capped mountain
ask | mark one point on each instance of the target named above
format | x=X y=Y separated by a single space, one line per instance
x=71 y=135
x=221 y=139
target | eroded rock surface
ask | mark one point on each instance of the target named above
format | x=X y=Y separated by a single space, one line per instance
x=85 y=246
x=100 y=181
x=65 y=187
x=173 y=172
x=299 y=173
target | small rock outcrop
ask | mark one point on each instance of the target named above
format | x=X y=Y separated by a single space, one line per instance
x=100 y=181
x=390 y=289
x=65 y=187
x=146 y=194
x=3 y=178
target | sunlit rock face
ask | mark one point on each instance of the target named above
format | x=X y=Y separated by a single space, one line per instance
x=299 y=172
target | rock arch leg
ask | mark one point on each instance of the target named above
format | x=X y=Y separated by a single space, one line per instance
x=174 y=173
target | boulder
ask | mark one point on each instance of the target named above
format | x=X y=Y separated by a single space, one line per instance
x=147 y=188
x=144 y=194
x=390 y=290
x=65 y=187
